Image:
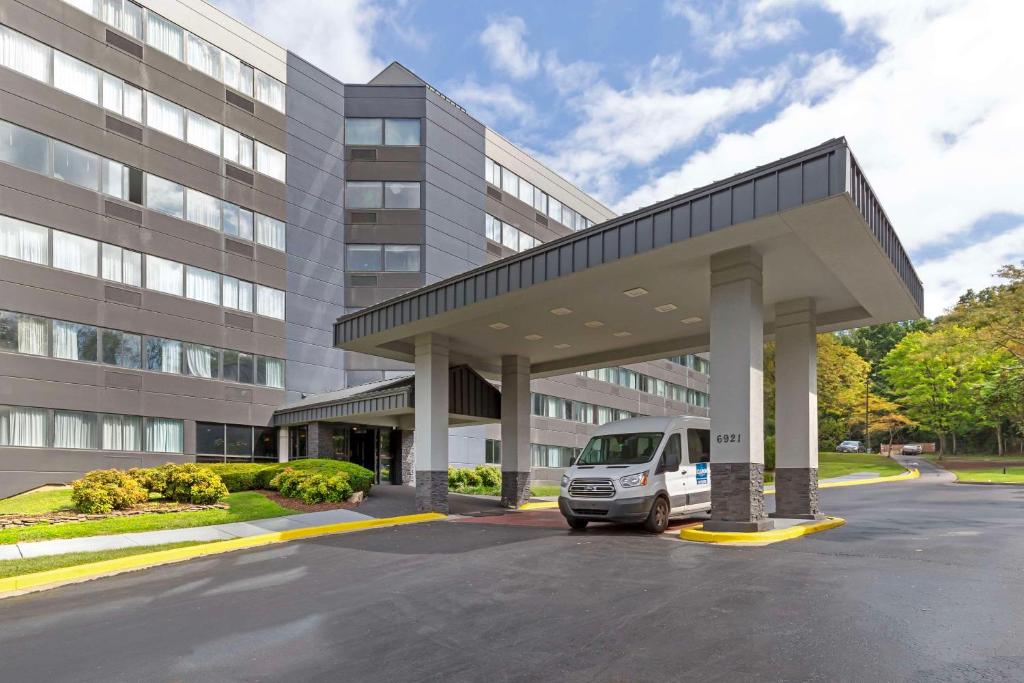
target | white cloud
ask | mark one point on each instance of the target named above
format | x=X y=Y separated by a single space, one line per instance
x=825 y=72
x=492 y=104
x=732 y=27
x=504 y=41
x=335 y=36
x=572 y=77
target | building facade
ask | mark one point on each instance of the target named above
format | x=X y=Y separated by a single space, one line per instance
x=186 y=208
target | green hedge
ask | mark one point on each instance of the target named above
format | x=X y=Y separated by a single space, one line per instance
x=479 y=477
x=252 y=476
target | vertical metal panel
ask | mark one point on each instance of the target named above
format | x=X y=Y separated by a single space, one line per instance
x=501 y=281
x=627 y=239
x=579 y=256
x=644 y=234
x=721 y=209
x=551 y=264
x=513 y=275
x=681 y=223
x=564 y=259
x=526 y=273
x=595 y=254
x=539 y=268
x=815 y=179
x=700 y=216
x=662 y=228
x=790 y=188
x=766 y=195
x=743 y=202
x=490 y=284
x=611 y=245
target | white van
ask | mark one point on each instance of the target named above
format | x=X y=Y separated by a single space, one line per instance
x=645 y=469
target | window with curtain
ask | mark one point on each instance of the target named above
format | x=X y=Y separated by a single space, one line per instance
x=112 y=90
x=163 y=355
x=510 y=236
x=236 y=220
x=363 y=258
x=269 y=91
x=489 y=170
x=203 y=56
x=165 y=196
x=8 y=331
x=492 y=228
x=237 y=148
x=76 y=166
x=120 y=432
x=202 y=209
x=74 y=341
x=525 y=192
x=401 y=131
x=401 y=195
x=270 y=162
x=201 y=361
x=270 y=232
x=509 y=182
x=164 y=35
x=402 y=258
x=164 y=435
x=270 y=302
x=27 y=427
x=270 y=372
x=364 y=195
x=202 y=285
x=114 y=178
x=121 y=265
x=364 y=131
x=237 y=294
x=165 y=116
x=132 y=102
x=237 y=75
x=26 y=334
x=72 y=429
x=555 y=209
x=540 y=201
x=163 y=275
x=203 y=133
x=124 y=15
x=24 y=148
x=75 y=77
x=24 y=55
x=122 y=349
x=24 y=241
x=74 y=253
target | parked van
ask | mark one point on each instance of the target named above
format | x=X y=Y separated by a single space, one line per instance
x=645 y=469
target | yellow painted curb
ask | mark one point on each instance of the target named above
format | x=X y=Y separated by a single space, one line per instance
x=539 y=505
x=698 y=534
x=58 y=577
x=909 y=474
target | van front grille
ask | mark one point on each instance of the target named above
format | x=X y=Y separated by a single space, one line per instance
x=591 y=488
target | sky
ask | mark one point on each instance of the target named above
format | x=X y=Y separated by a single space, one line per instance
x=639 y=101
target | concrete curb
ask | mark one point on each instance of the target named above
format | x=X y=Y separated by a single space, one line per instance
x=17 y=585
x=698 y=534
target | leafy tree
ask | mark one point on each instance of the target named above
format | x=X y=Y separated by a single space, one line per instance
x=874 y=342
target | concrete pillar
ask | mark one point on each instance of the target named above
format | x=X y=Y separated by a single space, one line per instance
x=737 y=400
x=796 y=411
x=431 y=433
x=282 y=444
x=515 y=430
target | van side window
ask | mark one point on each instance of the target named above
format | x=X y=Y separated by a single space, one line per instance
x=699 y=443
x=673 y=447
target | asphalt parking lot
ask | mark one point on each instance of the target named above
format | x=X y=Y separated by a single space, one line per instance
x=925 y=582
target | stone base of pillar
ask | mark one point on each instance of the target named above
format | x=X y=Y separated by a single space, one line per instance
x=515 y=488
x=796 y=493
x=432 y=491
x=737 y=498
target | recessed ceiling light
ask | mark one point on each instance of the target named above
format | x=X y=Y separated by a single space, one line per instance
x=635 y=292
x=533 y=337
x=691 y=320
x=665 y=308
x=498 y=326
x=562 y=346
x=593 y=323
x=622 y=334
x=561 y=310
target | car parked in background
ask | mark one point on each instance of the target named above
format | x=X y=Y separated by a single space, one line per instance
x=911 y=449
x=850 y=447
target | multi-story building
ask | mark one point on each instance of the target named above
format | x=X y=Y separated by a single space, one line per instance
x=186 y=208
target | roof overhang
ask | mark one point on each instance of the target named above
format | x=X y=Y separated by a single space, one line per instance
x=813 y=217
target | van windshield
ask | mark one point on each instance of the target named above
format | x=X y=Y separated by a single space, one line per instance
x=620 y=449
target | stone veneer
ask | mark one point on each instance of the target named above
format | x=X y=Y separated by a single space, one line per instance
x=515 y=488
x=408 y=457
x=737 y=497
x=796 y=493
x=432 y=491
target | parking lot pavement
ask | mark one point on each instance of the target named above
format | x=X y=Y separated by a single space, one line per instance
x=923 y=583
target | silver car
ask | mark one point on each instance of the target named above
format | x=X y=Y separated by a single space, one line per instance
x=849 y=447
x=911 y=449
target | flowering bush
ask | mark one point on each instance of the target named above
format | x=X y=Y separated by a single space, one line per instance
x=101 y=491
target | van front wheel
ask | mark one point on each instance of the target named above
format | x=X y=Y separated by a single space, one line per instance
x=657 y=519
x=577 y=523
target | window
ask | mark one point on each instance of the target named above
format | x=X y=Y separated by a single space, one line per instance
x=27 y=427
x=540 y=201
x=114 y=177
x=270 y=232
x=555 y=209
x=164 y=435
x=132 y=102
x=120 y=432
x=270 y=372
x=235 y=441
x=203 y=133
x=24 y=241
x=270 y=302
x=165 y=116
x=492 y=228
x=201 y=361
x=270 y=91
x=209 y=438
x=400 y=195
x=164 y=35
x=163 y=355
x=401 y=131
x=270 y=161
x=202 y=209
x=73 y=429
x=363 y=131
x=124 y=15
x=238 y=366
x=121 y=265
x=698 y=442
x=510 y=236
x=526 y=192
x=163 y=275
x=122 y=349
x=363 y=258
x=203 y=56
x=202 y=285
x=402 y=258
x=73 y=341
x=74 y=253
x=492 y=452
x=673 y=448
x=237 y=294
x=76 y=166
x=237 y=148
x=237 y=75
x=23 y=334
x=24 y=148
x=490 y=171
x=165 y=196
x=509 y=182
x=264 y=443
x=364 y=195
x=236 y=220
x=239 y=441
x=24 y=55
x=75 y=77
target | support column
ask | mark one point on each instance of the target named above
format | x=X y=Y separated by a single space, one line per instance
x=515 y=430
x=796 y=411
x=282 y=444
x=431 y=434
x=737 y=399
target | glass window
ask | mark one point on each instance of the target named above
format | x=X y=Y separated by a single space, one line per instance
x=270 y=302
x=364 y=195
x=24 y=55
x=122 y=349
x=120 y=432
x=698 y=441
x=24 y=148
x=490 y=171
x=237 y=75
x=114 y=178
x=164 y=435
x=555 y=209
x=24 y=241
x=540 y=201
x=402 y=258
x=201 y=361
x=132 y=103
x=164 y=35
x=492 y=228
x=74 y=253
x=270 y=232
x=510 y=236
x=23 y=334
x=270 y=372
x=202 y=208
x=237 y=221
x=401 y=131
x=237 y=148
x=526 y=241
x=239 y=440
x=27 y=427
x=165 y=196
x=203 y=133
x=203 y=56
x=112 y=263
x=202 y=285
x=509 y=182
x=74 y=430
x=264 y=443
x=620 y=449
x=237 y=294
x=230 y=366
x=165 y=116
x=209 y=438
x=129 y=18
x=398 y=195
x=163 y=275
x=363 y=258
x=74 y=341
x=76 y=166
x=270 y=161
x=492 y=452
x=269 y=91
x=238 y=366
x=163 y=355
x=363 y=131
x=526 y=192
x=75 y=77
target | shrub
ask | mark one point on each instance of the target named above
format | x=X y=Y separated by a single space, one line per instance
x=153 y=479
x=312 y=487
x=242 y=476
x=460 y=478
x=101 y=491
x=190 y=483
x=490 y=476
x=252 y=476
x=769 y=453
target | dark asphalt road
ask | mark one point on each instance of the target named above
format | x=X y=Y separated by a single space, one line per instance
x=925 y=582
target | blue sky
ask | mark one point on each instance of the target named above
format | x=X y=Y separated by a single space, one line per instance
x=638 y=101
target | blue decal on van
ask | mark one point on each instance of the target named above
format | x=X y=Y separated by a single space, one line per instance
x=702 y=473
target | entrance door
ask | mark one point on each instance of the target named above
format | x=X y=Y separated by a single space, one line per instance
x=364 y=448
x=297 y=442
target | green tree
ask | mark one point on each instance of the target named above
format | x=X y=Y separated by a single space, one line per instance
x=874 y=342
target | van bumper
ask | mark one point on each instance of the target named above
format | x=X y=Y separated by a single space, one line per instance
x=614 y=510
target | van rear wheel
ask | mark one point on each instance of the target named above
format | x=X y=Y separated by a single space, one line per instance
x=657 y=519
x=577 y=523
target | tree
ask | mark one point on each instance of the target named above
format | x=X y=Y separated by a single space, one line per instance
x=874 y=342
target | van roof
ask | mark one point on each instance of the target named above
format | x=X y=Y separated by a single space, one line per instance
x=652 y=424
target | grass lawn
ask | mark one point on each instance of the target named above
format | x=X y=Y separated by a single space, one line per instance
x=839 y=464
x=244 y=506
x=1014 y=475
x=41 y=564
x=541 y=491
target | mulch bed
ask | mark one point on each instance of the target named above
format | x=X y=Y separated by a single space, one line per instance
x=70 y=516
x=954 y=464
x=299 y=506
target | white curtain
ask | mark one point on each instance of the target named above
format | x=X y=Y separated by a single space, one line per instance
x=202 y=208
x=32 y=335
x=24 y=55
x=203 y=56
x=76 y=77
x=163 y=35
x=165 y=116
x=270 y=302
x=124 y=15
x=199 y=360
x=275 y=372
x=121 y=433
x=164 y=435
x=237 y=75
x=202 y=285
x=163 y=275
x=74 y=253
x=65 y=340
x=244 y=151
x=132 y=103
x=24 y=241
x=270 y=91
x=230 y=292
x=170 y=356
x=113 y=175
x=112 y=93
x=270 y=161
x=26 y=427
x=110 y=267
x=203 y=133
x=270 y=232
x=230 y=150
x=74 y=430
x=237 y=294
x=132 y=268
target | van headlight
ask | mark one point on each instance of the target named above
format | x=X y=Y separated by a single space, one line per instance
x=565 y=480
x=631 y=480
